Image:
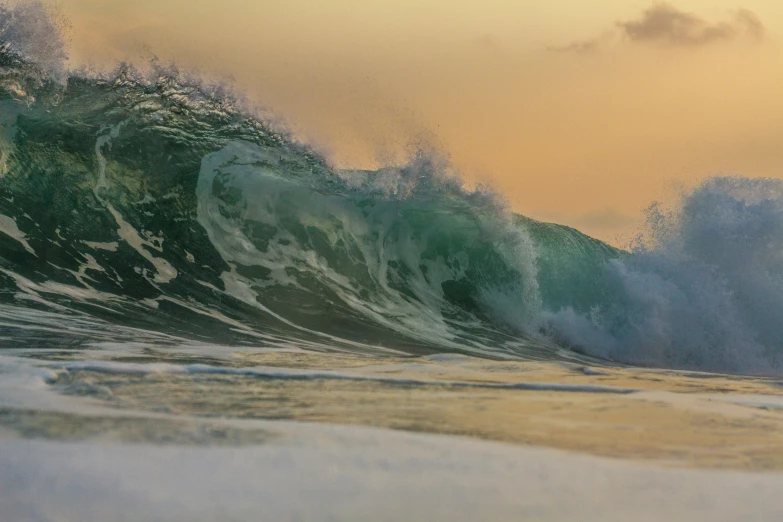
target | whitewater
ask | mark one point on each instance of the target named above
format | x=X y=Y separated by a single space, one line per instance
x=202 y=319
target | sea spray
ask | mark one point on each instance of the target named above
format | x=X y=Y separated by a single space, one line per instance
x=705 y=290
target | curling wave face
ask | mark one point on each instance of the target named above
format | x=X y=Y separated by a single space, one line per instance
x=136 y=205
x=155 y=203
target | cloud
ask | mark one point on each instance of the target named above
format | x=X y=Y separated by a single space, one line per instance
x=580 y=47
x=667 y=25
x=664 y=23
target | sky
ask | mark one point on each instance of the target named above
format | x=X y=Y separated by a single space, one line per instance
x=577 y=112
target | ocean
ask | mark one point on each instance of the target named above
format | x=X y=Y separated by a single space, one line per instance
x=201 y=319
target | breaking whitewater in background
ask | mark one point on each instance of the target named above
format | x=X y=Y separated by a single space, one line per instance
x=152 y=207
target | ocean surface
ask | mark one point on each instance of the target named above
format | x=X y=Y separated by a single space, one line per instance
x=201 y=319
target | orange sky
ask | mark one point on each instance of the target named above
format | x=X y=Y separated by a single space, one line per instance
x=578 y=112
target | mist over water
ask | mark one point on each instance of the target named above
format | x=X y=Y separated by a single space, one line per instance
x=150 y=204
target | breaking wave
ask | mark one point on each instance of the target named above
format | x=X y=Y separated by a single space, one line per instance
x=148 y=205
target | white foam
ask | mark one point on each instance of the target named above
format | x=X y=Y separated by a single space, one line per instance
x=9 y=227
x=109 y=247
x=326 y=473
x=73 y=322
x=164 y=271
x=84 y=293
x=705 y=291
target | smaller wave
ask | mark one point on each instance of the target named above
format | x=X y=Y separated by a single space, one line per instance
x=703 y=291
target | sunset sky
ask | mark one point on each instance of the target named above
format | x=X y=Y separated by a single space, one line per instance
x=577 y=112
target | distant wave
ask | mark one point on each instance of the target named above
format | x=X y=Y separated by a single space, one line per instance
x=156 y=203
